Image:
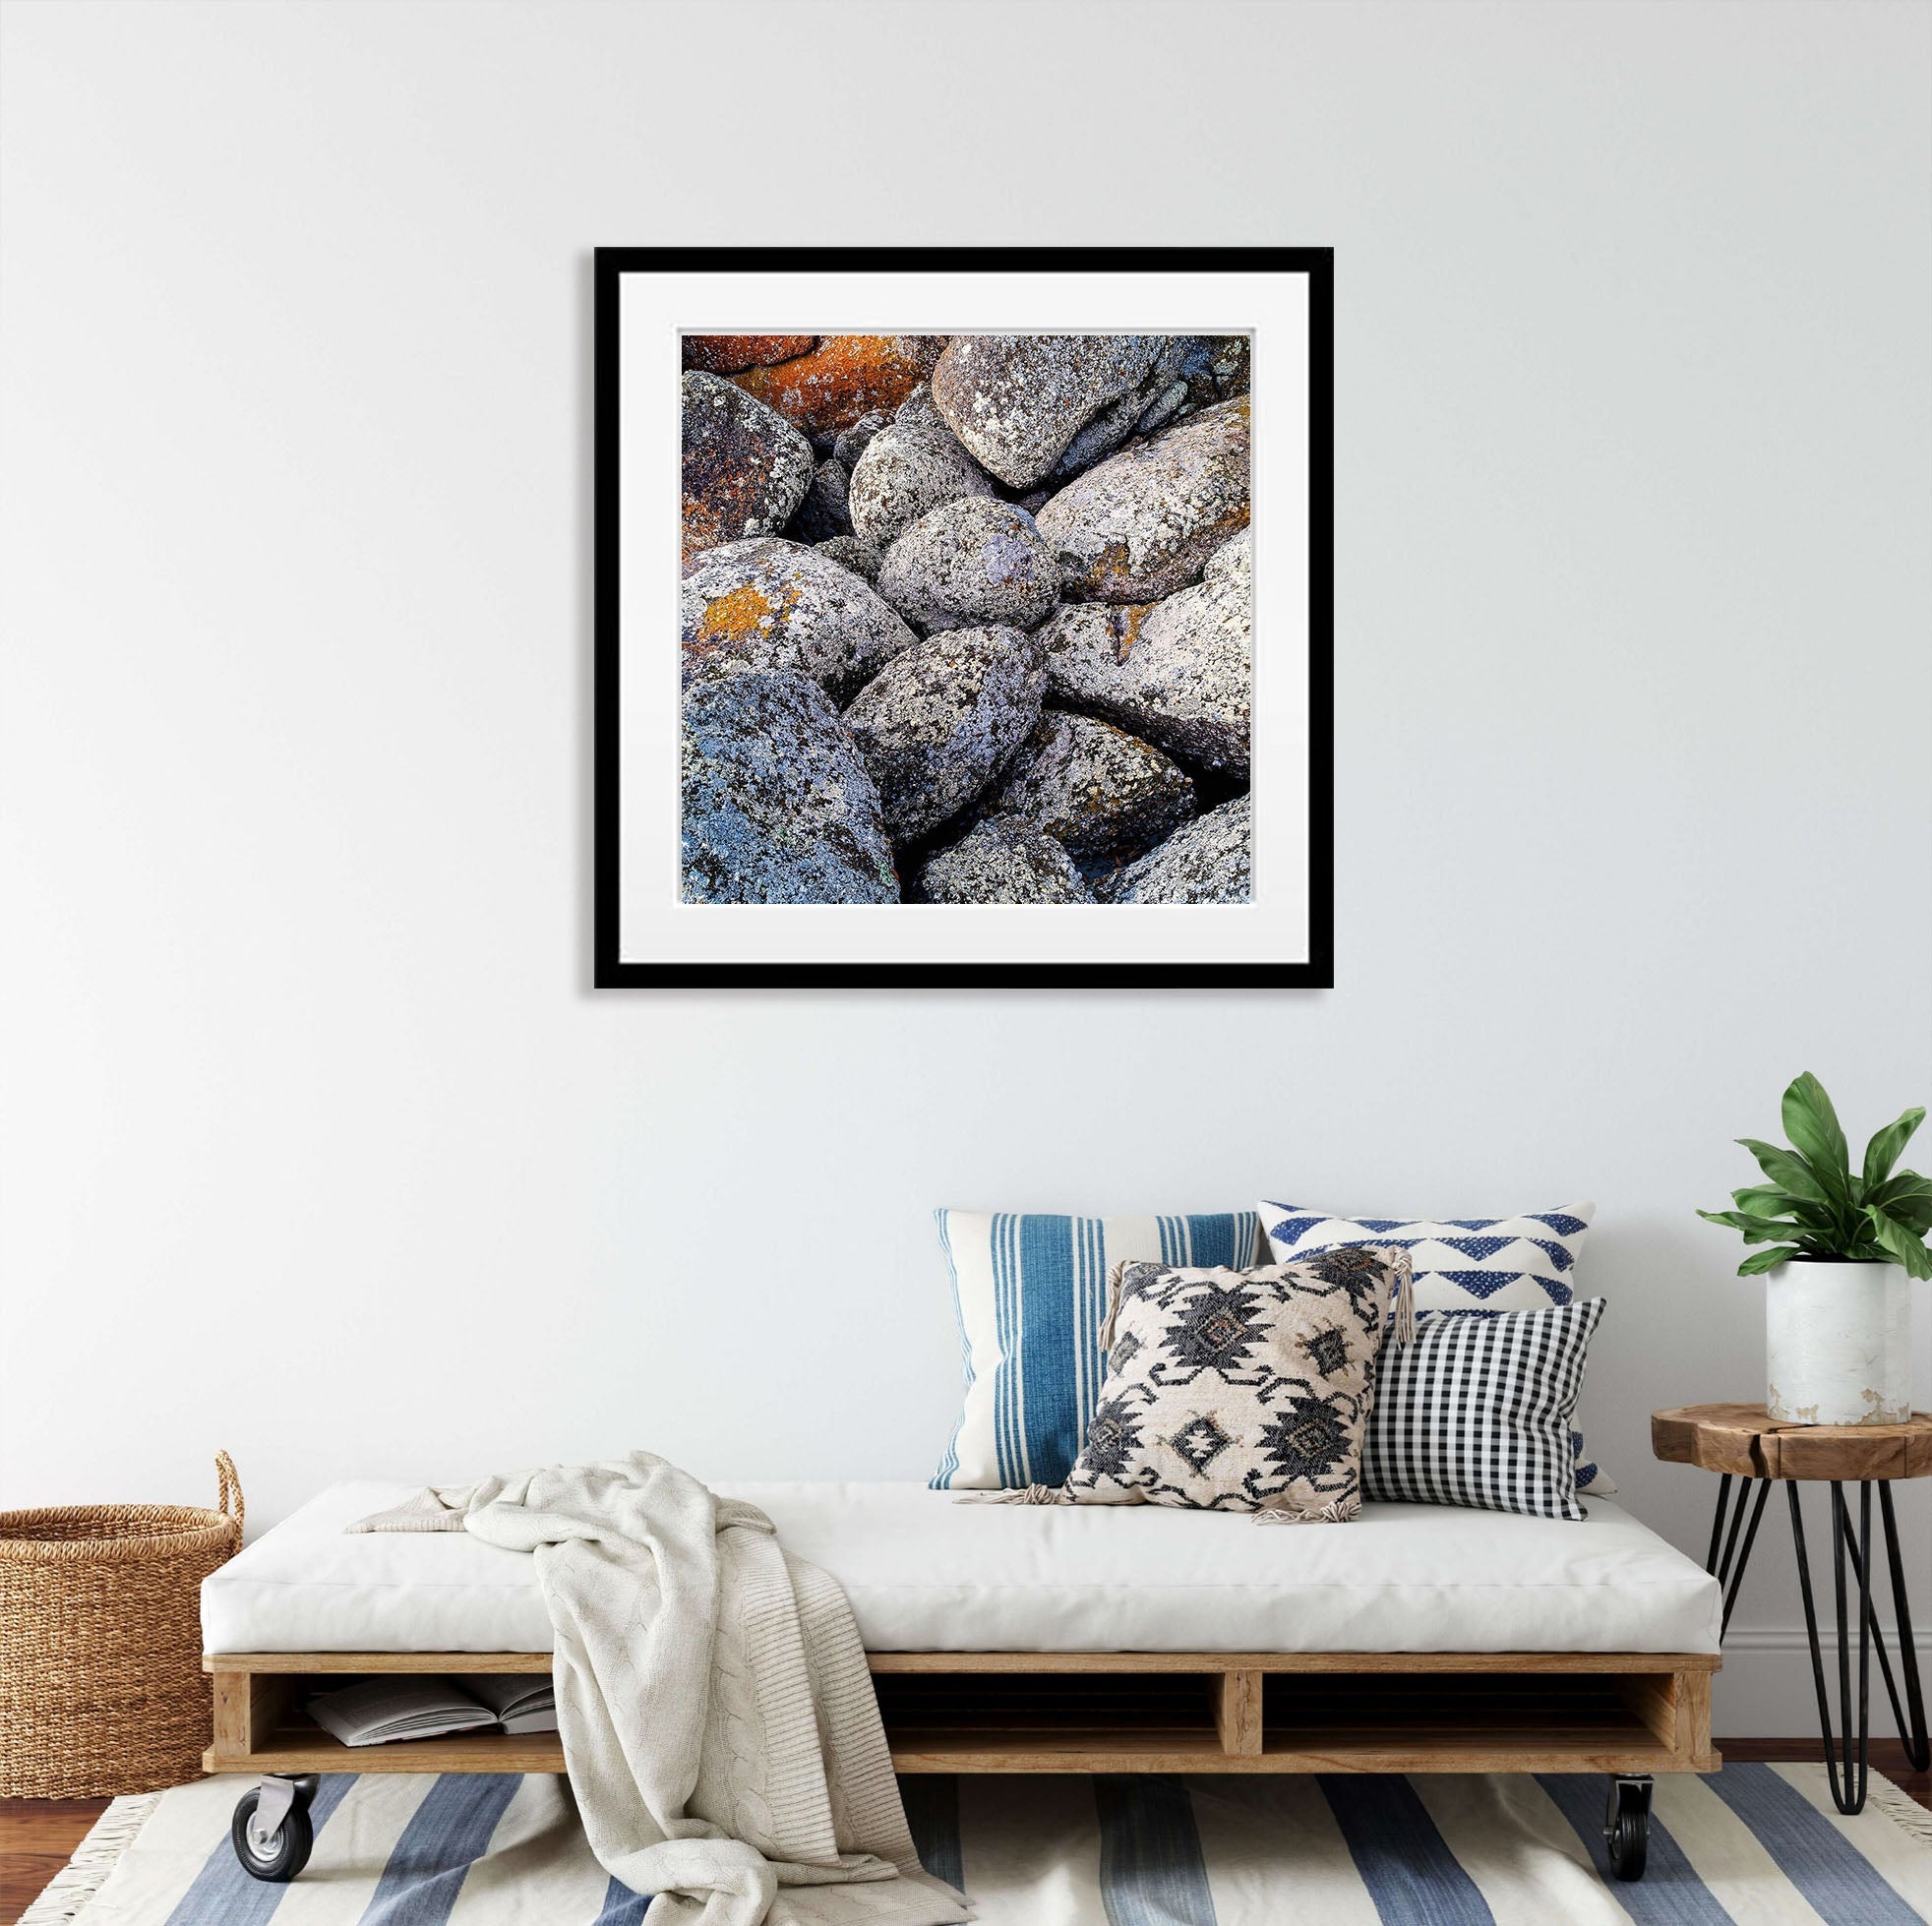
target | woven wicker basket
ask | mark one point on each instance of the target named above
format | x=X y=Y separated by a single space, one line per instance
x=101 y=1687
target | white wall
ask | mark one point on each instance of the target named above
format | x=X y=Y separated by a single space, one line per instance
x=318 y=1146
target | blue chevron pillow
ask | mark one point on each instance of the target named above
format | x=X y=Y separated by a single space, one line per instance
x=1479 y=1265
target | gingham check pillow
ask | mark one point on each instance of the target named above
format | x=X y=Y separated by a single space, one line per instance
x=1476 y=1411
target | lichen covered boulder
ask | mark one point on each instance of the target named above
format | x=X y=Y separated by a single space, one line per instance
x=1017 y=400
x=849 y=552
x=1205 y=861
x=969 y=563
x=1104 y=794
x=727 y=354
x=774 y=604
x=778 y=806
x=1144 y=522
x=1175 y=672
x=746 y=469
x=851 y=443
x=845 y=378
x=910 y=468
x=939 y=721
x=1157 y=398
x=1004 y=860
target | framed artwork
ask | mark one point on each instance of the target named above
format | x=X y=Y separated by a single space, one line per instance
x=964 y=617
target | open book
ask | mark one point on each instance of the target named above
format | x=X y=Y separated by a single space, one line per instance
x=408 y=1705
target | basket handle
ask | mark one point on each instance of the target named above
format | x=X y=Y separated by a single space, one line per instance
x=229 y=1502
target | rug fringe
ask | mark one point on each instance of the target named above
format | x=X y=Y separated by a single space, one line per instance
x=84 y=1875
x=1898 y=1806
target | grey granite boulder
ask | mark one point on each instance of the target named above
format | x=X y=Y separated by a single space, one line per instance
x=1173 y=671
x=917 y=411
x=1105 y=795
x=1004 y=859
x=746 y=467
x=940 y=719
x=822 y=513
x=851 y=443
x=1144 y=522
x=969 y=563
x=1206 y=862
x=778 y=806
x=849 y=552
x=909 y=467
x=1146 y=406
x=1017 y=400
x=1214 y=368
x=1221 y=372
x=773 y=604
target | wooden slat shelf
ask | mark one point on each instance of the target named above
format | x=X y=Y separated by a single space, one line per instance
x=1127 y=1753
x=1108 y=1712
x=309 y=1749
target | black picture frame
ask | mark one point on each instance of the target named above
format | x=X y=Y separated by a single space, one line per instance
x=610 y=970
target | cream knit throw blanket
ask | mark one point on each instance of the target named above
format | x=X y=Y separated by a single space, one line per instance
x=717 y=1717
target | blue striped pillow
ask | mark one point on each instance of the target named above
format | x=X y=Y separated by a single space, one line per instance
x=1030 y=1292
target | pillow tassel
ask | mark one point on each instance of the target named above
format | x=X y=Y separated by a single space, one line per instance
x=1338 y=1511
x=1026 y=1494
x=1405 y=1307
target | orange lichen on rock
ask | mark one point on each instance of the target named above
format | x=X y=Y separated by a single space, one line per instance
x=727 y=354
x=734 y=617
x=844 y=378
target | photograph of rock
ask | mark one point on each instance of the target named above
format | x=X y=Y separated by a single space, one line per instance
x=965 y=619
x=996 y=644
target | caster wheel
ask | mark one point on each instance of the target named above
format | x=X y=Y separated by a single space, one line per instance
x=1627 y=1826
x=289 y=1850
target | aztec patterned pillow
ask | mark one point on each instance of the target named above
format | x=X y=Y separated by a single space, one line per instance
x=1031 y=1296
x=1476 y=1411
x=1241 y=1390
x=1479 y=1264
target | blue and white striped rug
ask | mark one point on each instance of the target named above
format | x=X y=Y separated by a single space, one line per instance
x=1758 y=1845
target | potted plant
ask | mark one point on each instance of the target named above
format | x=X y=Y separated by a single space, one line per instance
x=1841 y=1248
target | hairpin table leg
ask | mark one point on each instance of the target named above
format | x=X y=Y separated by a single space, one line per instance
x=1848 y=1756
x=1728 y=1570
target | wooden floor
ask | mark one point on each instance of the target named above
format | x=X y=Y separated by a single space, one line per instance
x=37 y=1834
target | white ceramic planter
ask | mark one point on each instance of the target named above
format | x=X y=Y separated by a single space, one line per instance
x=1839 y=1343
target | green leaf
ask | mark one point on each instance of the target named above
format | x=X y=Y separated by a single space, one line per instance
x=1787 y=1169
x=1900 y=1244
x=1884 y=1148
x=1812 y=1124
x=1756 y=1229
x=1765 y=1260
x=1766 y=1200
x=1908 y=1197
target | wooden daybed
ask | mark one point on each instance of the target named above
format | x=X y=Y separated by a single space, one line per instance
x=1629 y=1714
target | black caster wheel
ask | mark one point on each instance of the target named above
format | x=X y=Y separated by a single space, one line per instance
x=1627 y=1826
x=285 y=1852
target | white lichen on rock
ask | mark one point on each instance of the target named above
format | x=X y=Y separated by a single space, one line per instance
x=1175 y=671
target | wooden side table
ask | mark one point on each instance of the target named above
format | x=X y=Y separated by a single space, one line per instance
x=1744 y=1442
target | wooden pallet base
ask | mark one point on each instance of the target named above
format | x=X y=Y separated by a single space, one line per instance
x=1106 y=1711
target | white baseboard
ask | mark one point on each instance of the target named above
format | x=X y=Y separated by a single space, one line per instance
x=1765 y=1690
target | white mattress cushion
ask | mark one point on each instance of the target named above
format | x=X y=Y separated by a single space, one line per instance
x=927 y=1574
